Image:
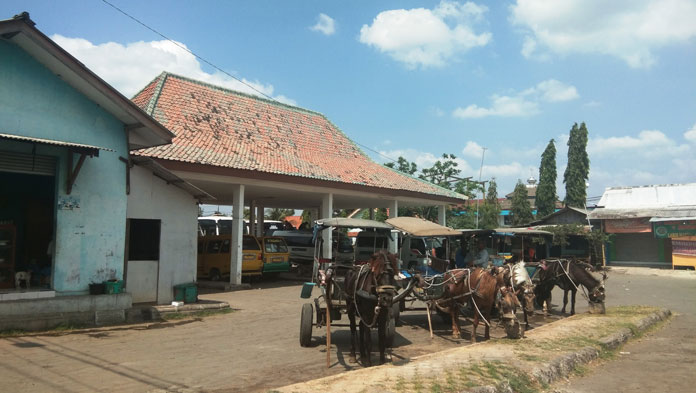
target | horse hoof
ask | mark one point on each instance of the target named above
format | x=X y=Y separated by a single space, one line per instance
x=352 y=359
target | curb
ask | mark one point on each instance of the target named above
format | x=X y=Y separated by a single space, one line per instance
x=562 y=366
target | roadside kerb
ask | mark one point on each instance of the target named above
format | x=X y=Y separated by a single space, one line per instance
x=545 y=373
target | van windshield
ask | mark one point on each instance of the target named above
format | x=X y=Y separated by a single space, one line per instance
x=275 y=245
x=249 y=243
x=299 y=241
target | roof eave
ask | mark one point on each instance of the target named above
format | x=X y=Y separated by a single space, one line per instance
x=143 y=130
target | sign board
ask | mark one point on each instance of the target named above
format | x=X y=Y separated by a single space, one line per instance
x=628 y=225
x=664 y=230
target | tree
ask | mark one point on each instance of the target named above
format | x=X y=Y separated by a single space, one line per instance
x=278 y=214
x=491 y=208
x=520 y=210
x=546 y=192
x=404 y=166
x=578 y=170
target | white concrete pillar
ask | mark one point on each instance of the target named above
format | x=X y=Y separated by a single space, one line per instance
x=442 y=215
x=261 y=219
x=252 y=217
x=237 y=232
x=393 y=212
x=326 y=212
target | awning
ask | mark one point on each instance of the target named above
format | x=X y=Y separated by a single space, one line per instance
x=522 y=231
x=340 y=222
x=77 y=147
x=663 y=219
x=415 y=226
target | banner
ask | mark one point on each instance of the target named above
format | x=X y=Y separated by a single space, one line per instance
x=663 y=230
x=628 y=225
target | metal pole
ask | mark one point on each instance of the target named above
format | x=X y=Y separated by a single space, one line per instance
x=483 y=154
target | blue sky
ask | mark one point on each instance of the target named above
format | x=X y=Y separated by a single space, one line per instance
x=423 y=78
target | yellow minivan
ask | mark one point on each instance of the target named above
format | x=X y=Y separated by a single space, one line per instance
x=276 y=256
x=214 y=257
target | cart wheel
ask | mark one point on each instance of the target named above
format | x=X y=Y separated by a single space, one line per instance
x=391 y=331
x=306 y=325
x=396 y=314
x=214 y=275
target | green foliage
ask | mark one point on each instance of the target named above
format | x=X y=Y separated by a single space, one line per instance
x=380 y=214
x=278 y=214
x=578 y=170
x=561 y=233
x=546 y=191
x=491 y=208
x=404 y=166
x=521 y=210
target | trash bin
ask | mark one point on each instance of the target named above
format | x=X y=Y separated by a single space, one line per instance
x=187 y=293
x=113 y=286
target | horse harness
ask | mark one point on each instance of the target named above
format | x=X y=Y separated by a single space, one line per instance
x=565 y=271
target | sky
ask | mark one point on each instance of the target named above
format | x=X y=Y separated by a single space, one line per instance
x=422 y=78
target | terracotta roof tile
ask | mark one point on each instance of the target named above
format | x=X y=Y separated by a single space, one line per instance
x=224 y=128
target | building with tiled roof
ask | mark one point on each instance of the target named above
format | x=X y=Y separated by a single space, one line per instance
x=229 y=132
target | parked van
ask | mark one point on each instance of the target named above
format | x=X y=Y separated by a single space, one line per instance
x=214 y=257
x=300 y=245
x=222 y=225
x=369 y=242
x=276 y=256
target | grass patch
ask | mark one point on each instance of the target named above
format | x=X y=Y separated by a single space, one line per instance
x=197 y=314
x=12 y=332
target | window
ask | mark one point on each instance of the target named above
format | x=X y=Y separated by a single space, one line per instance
x=144 y=240
x=214 y=246
x=250 y=243
x=275 y=245
x=225 y=249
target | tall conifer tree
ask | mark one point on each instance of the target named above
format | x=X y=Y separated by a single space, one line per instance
x=521 y=209
x=578 y=170
x=546 y=192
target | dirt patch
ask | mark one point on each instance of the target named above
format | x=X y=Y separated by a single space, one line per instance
x=493 y=363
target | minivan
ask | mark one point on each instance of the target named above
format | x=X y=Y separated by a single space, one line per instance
x=214 y=257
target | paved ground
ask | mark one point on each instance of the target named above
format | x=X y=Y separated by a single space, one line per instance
x=664 y=361
x=257 y=348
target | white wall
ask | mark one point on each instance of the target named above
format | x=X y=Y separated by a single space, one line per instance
x=151 y=198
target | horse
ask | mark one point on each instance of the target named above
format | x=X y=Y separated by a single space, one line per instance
x=507 y=304
x=568 y=276
x=517 y=278
x=477 y=286
x=370 y=291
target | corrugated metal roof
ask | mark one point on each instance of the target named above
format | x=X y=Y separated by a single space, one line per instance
x=667 y=212
x=649 y=197
x=53 y=142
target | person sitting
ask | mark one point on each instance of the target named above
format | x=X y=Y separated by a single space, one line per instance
x=478 y=258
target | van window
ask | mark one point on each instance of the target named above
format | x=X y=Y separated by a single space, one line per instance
x=249 y=243
x=225 y=227
x=275 y=245
x=372 y=241
x=214 y=246
x=200 y=247
x=207 y=227
x=225 y=249
x=299 y=241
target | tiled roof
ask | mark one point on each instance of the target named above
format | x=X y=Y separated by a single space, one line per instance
x=224 y=128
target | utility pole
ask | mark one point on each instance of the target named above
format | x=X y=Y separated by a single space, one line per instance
x=483 y=154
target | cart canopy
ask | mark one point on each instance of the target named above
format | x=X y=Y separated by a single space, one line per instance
x=419 y=227
x=342 y=222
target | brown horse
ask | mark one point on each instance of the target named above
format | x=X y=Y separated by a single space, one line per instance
x=477 y=286
x=507 y=304
x=569 y=276
x=370 y=289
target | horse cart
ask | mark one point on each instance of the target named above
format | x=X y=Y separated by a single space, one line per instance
x=342 y=283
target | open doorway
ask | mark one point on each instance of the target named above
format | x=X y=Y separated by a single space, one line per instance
x=26 y=230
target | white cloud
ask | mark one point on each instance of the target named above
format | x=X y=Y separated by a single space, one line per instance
x=648 y=143
x=690 y=135
x=472 y=149
x=525 y=103
x=130 y=67
x=628 y=29
x=425 y=37
x=325 y=25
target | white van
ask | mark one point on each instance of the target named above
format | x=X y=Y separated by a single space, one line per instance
x=300 y=245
